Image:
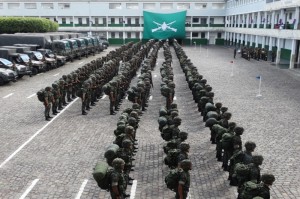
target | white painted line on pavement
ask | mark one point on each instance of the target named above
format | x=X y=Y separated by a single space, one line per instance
x=56 y=74
x=34 y=135
x=126 y=97
x=6 y=96
x=30 y=96
x=175 y=98
x=151 y=97
x=104 y=96
x=80 y=63
x=29 y=189
x=81 y=189
x=133 y=189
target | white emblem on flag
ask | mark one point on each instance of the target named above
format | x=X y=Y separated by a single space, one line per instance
x=164 y=26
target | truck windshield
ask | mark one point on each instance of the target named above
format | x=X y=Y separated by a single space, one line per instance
x=6 y=62
x=38 y=55
x=25 y=57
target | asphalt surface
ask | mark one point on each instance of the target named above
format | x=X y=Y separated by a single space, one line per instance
x=40 y=159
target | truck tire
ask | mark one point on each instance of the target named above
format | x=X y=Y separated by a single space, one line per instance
x=20 y=76
x=1 y=81
x=34 y=71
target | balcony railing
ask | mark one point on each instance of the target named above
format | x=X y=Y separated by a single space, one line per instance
x=217 y=25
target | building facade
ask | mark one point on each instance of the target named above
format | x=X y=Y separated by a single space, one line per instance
x=268 y=24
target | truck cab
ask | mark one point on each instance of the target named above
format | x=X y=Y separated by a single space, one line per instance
x=38 y=56
x=61 y=60
x=24 y=59
x=74 y=47
x=7 y=75
x=21 y=70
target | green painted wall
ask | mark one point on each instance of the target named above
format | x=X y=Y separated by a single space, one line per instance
x=285 y=54
x=220 y=42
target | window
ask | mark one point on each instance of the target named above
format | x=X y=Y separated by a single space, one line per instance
x=166 y=6
x=195 y=34
x=87 y=20
x=202 y=35
x=195 y=20
x=71 y=20
x=218 y=5
x=219 y=35
x=121 y=21
x=113 y=35
x=80 y=21
x=129 y=35
x=203 y=21
x=47 y=5
x=137 y=35
x=13 y=5
x=290 y=15
x=211 y=20
x=63 y=20
x=96 y=21
x=183 y=6
x=132 y=6
x=64 y=5
x=199 y=6
x=129 y=21
x=137 y=21
x=30 y=5
x=120 y=34
x=1 y=5
x=104 y=21
x=115 y=6
x=112 y=21
x=149 y=6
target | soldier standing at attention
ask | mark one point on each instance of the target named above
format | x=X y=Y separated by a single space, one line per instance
x=47 y=102
x=234 y=53
x=112 y=97
x=84 y=97
x=117 y=180
x=184 y=179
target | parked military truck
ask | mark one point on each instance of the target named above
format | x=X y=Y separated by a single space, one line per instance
x=75 y=50
x=20 y=69
x=90 y=46
x=7 y=75
x=21 y=58
x=61 y=60
x=38 y=56
x=82 y=47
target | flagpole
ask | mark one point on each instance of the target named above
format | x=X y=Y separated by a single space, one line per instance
x=259 y=86
x=231 y=75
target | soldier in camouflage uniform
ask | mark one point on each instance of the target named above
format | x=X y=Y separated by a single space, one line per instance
x=125 y=153
x=113 y=97
x=117 y=180
x=184 y=152
x=56 y=96
x=47 y=102
x=85 y=89
x=184 y=179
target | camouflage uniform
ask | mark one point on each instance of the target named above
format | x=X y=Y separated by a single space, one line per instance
x=47 y=102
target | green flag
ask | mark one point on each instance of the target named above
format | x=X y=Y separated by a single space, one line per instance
x=164 y=26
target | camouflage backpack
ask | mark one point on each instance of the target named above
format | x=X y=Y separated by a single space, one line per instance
x=172 y=158
x=172 y=178
x=41 y=95
x=241 y=172
x=227 y=141
x=250 y=190
x=101 y=174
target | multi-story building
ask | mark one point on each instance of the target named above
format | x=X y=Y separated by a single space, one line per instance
x=269 y=24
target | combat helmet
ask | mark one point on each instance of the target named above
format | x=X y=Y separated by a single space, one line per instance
x=48 y=88
x=183 y=135
x=184 y=146
x=250 y=146
x=238 y=130
x=55 y=85
x=268 y=178
x=186 y=164
x=117 y=163
x=126 y=143
x=257 y=159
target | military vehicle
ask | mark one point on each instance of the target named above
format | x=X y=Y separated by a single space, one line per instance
x=61 y=60
x=7 y=75
x=38 y=56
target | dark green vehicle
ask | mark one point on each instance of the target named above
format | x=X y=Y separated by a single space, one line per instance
x=74 y=46
x=63 y=48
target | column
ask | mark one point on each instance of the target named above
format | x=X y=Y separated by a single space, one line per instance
x=278 y=53
x=265 y=20
x=251 y=40
x=208 y=21
x=239 y=20
x=273 y=20
x=297 y=18
x=235 y=21
x=207 y=37
x=263 y=42
x=247 y=20
x=234 y=37
x=258 y=20
x=292 y=58
x=270 y=49
x=252 y=20
x=246 y=39
x=191 y=38
x=281 y=16
x=256 y=40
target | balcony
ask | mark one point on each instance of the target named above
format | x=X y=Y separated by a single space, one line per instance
x=216 y=25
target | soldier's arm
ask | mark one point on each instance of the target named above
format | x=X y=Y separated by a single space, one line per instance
x=180 y=190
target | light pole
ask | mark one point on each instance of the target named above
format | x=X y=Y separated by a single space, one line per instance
x=123 y=31
x=90 y=20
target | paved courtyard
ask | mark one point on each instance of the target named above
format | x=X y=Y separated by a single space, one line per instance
x=56 y=159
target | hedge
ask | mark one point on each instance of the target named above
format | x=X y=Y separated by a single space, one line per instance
x=26 y=24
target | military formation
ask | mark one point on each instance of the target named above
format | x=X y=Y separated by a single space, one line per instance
x=175 y=148
x=112 y=75
x=243 y=167
x=257 y=54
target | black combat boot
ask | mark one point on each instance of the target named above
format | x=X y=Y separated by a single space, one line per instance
x=84 y=113
x=47 y=118
x=112 y=112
